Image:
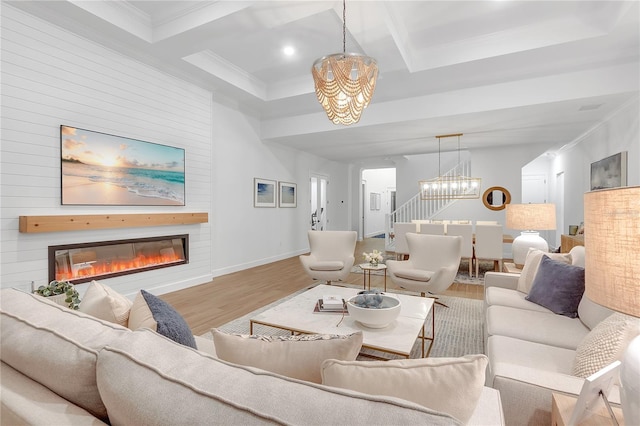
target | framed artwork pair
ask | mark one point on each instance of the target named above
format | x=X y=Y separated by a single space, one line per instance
x=267 y=192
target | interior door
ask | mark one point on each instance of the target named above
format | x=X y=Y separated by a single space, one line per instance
x=318 y=191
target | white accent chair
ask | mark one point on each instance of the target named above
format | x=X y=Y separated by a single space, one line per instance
x=488 y=245
x=400 y=229
x=432 y=266
x=331 y=256
x=466 y=232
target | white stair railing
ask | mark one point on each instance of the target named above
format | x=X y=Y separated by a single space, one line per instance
x=418 y=209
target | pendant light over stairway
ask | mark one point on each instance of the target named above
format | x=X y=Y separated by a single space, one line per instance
x=450 y=186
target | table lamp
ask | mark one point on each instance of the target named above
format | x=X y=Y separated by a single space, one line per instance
x=529 y=218
x=612 y=273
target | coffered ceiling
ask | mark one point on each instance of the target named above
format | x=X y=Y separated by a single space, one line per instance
x=501 y=72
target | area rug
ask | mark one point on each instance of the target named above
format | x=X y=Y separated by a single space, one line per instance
x=463 y=272
x=458 y=328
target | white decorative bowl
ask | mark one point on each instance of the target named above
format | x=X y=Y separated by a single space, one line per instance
x=375 y=317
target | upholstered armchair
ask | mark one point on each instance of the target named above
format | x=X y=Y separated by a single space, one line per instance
x=432 y=266
x=331 y=256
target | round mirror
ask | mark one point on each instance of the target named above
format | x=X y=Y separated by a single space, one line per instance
x=496 y=198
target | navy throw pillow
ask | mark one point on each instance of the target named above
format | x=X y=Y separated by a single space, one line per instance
x=170 y=322
x=558 y=287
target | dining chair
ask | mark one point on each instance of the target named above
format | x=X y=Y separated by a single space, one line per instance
x=332 y=254
x=488 y=244
x=419 y=222
x=400 y=229
x=432 y=228
x=466 y=232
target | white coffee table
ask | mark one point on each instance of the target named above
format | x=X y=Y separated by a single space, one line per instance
x=296 y=315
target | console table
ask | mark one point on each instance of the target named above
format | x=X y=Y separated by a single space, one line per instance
x=567 y=242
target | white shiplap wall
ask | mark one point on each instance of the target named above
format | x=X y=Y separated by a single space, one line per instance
x=52 y=77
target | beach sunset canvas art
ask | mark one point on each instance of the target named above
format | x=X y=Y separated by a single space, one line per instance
x=103 y=169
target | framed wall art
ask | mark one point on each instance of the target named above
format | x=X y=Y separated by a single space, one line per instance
x=375 y=201
x=103 y=169
x=288 y=194
x=264 y=192
x=610 y=172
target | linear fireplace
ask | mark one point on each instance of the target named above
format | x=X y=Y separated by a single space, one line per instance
x=79 y=263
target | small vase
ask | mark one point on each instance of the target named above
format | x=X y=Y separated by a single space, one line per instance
x=373 y=263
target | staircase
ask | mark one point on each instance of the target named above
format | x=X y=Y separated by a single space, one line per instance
x=419 y=209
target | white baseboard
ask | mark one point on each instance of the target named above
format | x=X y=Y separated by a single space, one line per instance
x=253 y=264
x=180 y=285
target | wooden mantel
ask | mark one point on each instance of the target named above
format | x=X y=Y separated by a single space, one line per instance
x=86 y=222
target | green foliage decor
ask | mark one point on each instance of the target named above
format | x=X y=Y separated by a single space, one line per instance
x=55 y=288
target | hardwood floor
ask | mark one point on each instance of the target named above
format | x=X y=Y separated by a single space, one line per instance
x=231 y=296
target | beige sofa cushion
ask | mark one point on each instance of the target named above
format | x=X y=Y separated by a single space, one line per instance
x=507 y=297
x=27 y=402
x=105 y=303
x=531 y=264
x=142 y=383
x=605 y=344
x=535 y=326
x=55 y=346
x=450 y=385
x=299 y=357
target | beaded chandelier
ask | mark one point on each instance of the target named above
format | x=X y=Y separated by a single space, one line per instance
x=344 y=82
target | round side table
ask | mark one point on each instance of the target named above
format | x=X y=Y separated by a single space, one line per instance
x=366 y=274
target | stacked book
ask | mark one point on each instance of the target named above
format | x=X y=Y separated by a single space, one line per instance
x=331 y=303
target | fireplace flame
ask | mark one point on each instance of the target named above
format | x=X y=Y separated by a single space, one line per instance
x=92 y=269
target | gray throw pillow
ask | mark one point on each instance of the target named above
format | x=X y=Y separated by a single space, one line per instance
x=558 y=287
x=149 y=311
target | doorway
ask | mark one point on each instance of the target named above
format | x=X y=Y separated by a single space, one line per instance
x=559 y=207
x=318 y=191
x=377 y=201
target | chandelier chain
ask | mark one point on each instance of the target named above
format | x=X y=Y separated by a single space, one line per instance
x=458 y=149
x=439 y=172
x=344 y=26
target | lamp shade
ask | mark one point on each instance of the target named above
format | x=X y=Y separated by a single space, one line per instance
x=612 y=273
x=612 y=248
x=534 y=217
x=529 y=218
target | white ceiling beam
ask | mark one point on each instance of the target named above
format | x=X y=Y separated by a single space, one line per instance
x=217 y=66
x=197 y=16
x=520 y=39
x=535 y=91
x=399 y=33
x=121 y=14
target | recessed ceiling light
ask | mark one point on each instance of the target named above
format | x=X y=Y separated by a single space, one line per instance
x=288 y=50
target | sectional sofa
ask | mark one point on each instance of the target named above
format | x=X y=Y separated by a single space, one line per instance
x=534 y=352
x=66 y=367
